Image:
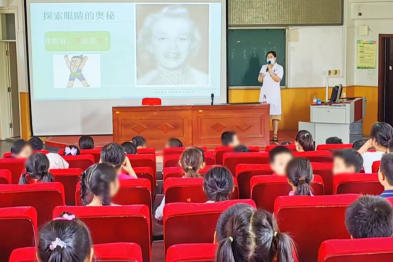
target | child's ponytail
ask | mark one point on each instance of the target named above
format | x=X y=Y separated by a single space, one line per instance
x=303 y=187
x=285 y=247
x=224 y=251
x=84 y=189
x=299 y=173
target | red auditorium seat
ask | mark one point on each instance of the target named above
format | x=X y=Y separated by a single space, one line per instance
x=81 y=161
x=245 y=172
x=145 y=160
x=210 y=158
x=151 y=101
x=316 y=156
x=95 y=152
x=69 y=178
x=8 y=154
x=124 y=252
x=325 y=170
x=290 y=147
x=178 y=150
x=18 y=227
x=221 y=150
x=43 y=197
x=265 y=189
x=332 y=147
x=5 y=176
x=365 y=184
x=310 y=220
x=375 y=167
x=146 y=173
x=179 y=172
x=191 y=253
x=186 y=223
x=15 y=166
x=357 y=250
x=144 y=151
x=111 y=224
x=231 y=160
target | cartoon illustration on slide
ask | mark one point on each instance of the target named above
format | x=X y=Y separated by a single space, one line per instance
x=75 y=66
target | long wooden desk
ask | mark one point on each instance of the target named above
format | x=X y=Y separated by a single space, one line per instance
x=197 y=125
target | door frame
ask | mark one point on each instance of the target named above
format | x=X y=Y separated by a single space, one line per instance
x=381 y=74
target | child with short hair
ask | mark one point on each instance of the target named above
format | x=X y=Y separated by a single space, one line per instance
x=65 y=239
x=279 y=159
x=230 y=138
x=71 y=151
x=347 y=161
x=37 y=170
x=129 y=148
x=241 y=149
x=334 y=140
x=36 y=143
x=99 y=183
x=218 y=184
x=139 y=141
x=385 y=175
x=300 y=175
x=358 y=144
x=369 y=217
x=115 y=155
x=21 y=149
x=304 y=141
x=173 y=142
x=86 y=142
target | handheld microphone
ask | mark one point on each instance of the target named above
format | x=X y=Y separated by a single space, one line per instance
x=267 y=68
x=212 y=97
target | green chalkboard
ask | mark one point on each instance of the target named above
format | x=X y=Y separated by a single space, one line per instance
x=247 y=50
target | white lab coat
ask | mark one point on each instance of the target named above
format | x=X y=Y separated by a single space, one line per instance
x=271 y=89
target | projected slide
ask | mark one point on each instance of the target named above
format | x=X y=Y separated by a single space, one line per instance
x=84 y=51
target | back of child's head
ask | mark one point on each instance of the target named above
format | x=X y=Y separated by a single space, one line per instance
x=21 y=148
x=98 y=180
x=113 y=154
x=129 y=148
x=386 y=167
x=334 y=140
x=278 y=150
x=218 y=184
x=347 y=161
x=227 y=138
x=241 y=149
x=37 y=170
x=279 y=159
x=305 y=140
x=191 y=161
x=139 y=141
x=36 y=143
x=299 y=173
x=286 y=143
x=174 y=142
x=86 y=142
x=64 y=239
x=368 y=217
x=358 y=144
x=71 y=151
x=382 y=133
x=248 y=235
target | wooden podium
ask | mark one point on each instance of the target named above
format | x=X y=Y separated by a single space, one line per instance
x=197 y=125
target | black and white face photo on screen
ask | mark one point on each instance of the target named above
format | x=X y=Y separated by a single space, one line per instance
x=172 y=44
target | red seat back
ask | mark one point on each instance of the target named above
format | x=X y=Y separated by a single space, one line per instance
x=365 y=184
x=332 y=147
x=171 y=160
x=191 y=253
x=245 y=172
x=310 y=220
x=95 y=152
x=375 y=166
x=231 y=160
x=325 y=170
x=290 y=147
x=43 y=197
x=144 y=151
x=18 y=227
x=179 y=172
x=221 y=150
x=356 y=250
x=145 y=160
x=111 y=224
x=146 y=173
x=80 y=161
x=69 y=178
x=193 y=222
x=151 y=101
x=316 y=156
x=5 y=176
x=265 y=189
x=178 y=150
x=15 y=166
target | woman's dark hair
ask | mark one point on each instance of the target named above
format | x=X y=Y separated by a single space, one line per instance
x=129 y=148
x=96 y=181
x=64 y=230
x=36 y=143
x=18 y=146
x=218 y=184
x=139 y=141
x=271 y=52
x=191 y=161
x=249 y=235
x=358 y=144
x=333 y=140
x=382 y=133
x=37 y=170
x=71 y=151
x=113 y=154
x=241 y=149
x=299 y=173
x=304 y=138
x=174 y=142
x=86 y=142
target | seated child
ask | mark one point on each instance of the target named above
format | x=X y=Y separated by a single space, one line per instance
x=86 y=142
x=369 y=217
x=304 y=141
x=36 y=143
x=279 y=159
x=347 y=161
x=191 y=160
x=71 y=151
x=358 y=144
x=333 y=140
x=229 y=138
x=99 y=184
x=173 y=142
x=139 y=142
x=241 y=149
x=37 y=170
x=115 y=155
x=56 y=161
x=300 y=175
x=218 y=184
x=21 y=149
x=129 y=148
x=385 y=175
x=65 y=239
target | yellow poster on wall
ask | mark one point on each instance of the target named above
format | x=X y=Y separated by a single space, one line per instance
x=367 y=54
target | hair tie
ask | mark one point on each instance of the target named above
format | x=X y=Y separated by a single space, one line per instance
x=57 y=243
x=275 y=234
x=302 y=179
x=231 y=239
x=189 y=168
x=65 y=217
